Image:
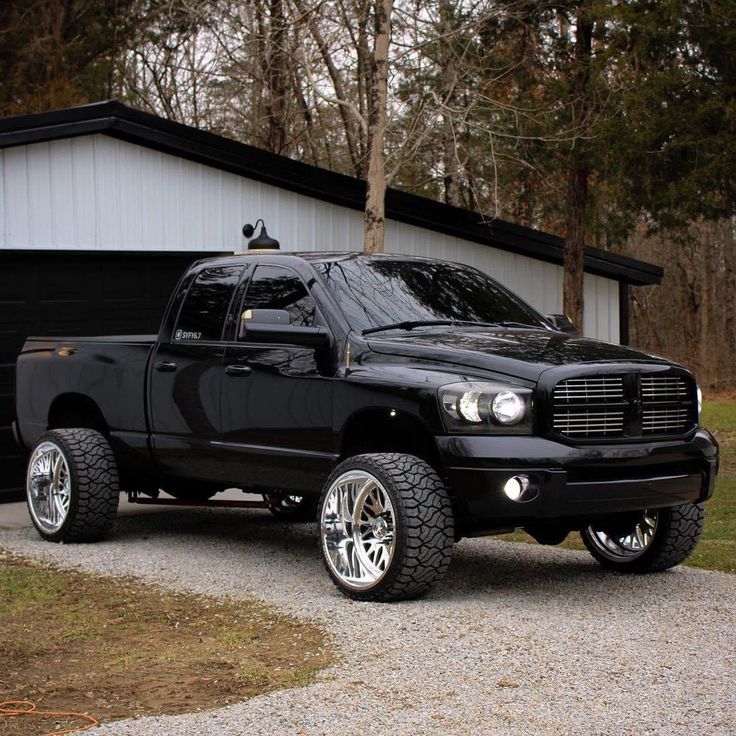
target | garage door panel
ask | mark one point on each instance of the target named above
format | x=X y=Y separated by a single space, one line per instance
x=7 y=405
x=7 y=378
x=68 y=294
x=126 y=283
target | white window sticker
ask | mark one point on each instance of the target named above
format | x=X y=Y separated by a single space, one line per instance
x=186 y=335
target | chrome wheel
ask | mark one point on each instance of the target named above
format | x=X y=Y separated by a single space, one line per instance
x=358 y=529
x=48 y=486
x=618 y=544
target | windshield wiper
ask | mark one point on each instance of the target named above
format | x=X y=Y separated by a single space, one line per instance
x=411 y=324
x=525 y=325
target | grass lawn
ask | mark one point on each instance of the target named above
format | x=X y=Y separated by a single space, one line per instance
x=117 y=648
x=717 y=548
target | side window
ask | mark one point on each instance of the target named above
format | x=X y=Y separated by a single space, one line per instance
x=202 y=316
x=274 y=287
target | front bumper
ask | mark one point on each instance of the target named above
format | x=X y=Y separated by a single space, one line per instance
x=580 y=482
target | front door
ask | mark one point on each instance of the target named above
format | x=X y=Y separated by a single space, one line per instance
x=186 y=377
x=277 y=398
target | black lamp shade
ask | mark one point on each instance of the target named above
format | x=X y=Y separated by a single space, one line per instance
x=263 y=241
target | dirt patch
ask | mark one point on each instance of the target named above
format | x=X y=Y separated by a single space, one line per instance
x=117 y=648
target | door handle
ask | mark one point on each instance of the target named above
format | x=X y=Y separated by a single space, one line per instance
x=165 y=367
x=238 y=370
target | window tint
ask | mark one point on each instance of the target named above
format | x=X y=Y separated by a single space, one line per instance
x=273 y=287
x=203 y=313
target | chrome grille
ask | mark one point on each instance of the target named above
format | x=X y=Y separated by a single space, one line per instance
x=663 y=388
x=656 y=420
x=592 y=406
x=589 y=423
x=667 y=405
x=613 y=406
x=590 y=390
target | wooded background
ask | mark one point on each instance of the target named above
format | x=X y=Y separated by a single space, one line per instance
x=612 y=122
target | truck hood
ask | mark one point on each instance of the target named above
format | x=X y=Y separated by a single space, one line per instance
x=517 y=353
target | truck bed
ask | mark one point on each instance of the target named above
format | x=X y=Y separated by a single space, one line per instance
x=110 y=370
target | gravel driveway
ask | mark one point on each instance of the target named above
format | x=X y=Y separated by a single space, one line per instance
x=519 y=639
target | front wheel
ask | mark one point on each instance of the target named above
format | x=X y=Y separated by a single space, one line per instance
x=647 y=541
x=386 y=527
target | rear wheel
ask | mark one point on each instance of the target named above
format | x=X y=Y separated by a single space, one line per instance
x=648 y=541
x=386 y=527
x=72 y=486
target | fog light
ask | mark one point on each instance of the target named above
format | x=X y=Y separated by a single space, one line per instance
x=516 y=487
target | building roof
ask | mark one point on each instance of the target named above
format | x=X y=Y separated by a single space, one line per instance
x=119 y=121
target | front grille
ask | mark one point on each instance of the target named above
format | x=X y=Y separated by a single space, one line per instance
x=663 y=388
x=591 y=389
x=592 y=406
x=615 y=406
x=666 y=407
x=585 y=423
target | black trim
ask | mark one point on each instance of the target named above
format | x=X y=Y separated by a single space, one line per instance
x=623 y=313
x=119 y=121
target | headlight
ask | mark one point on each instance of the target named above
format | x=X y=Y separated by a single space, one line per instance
x=486 y=408
x=508 y=407
x=700 y=402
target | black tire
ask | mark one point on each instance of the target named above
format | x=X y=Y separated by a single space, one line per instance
x=675 y=537
x=292 y=507
x=94 y=490
x=424 y=526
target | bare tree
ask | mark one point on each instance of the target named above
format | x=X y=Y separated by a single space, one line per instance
x=578 y=173
x=375 y=196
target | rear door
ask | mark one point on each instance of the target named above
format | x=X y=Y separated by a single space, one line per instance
x=186 y=376
x=277 y=398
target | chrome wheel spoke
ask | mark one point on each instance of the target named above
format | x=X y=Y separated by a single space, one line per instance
x=48 y=487
x=357 y=527
x=634 y=542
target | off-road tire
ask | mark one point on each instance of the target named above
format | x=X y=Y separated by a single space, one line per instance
x=95 y=492
x=677 y=534
x=304 y=510
x=424 y=526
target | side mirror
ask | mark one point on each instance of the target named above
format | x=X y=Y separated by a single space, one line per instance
x=265 y=316
x=272 y=326
x=562 y=323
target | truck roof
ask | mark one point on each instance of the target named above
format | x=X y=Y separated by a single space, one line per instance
x=313 y=256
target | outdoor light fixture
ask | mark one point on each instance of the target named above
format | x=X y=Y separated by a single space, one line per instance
x=262 y=241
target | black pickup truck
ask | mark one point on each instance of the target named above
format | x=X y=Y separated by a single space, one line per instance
x=401 y=402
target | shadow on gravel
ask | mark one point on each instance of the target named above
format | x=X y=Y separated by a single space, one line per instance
x=483 y=570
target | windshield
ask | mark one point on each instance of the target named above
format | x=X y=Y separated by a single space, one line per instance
x=376 y=292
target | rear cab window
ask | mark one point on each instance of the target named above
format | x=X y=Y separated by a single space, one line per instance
x=204 y=311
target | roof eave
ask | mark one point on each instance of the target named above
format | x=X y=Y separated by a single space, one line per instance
x=119 y=121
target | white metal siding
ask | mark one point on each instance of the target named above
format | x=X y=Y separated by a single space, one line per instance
x=98 y=193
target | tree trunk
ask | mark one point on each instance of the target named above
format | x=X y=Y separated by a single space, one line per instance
x=449 y=83
x=276 y=105
x=574 y=268
x=375 y=197
x=577 y=179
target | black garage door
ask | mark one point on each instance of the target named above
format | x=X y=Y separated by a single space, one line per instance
x=63 y=293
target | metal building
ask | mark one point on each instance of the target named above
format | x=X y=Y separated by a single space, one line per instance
x=103 y=206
